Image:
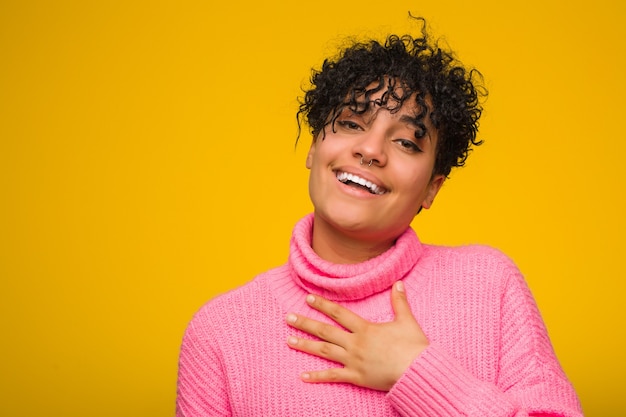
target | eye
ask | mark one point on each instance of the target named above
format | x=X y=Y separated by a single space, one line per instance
x=408 y=145
x=349 y=124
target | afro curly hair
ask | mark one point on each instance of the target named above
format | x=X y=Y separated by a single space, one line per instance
x=442 y=87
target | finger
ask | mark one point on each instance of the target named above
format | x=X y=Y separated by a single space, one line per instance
x=323 y=331
x=399 y=302
x=324 y=350
x=328 y=375
x=339 y=314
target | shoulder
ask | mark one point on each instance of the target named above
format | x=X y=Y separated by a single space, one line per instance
x=246 y=298
x=471 y=266
x=226 y=312
x=469 y=255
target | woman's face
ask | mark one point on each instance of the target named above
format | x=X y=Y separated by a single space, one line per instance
x=370 y=175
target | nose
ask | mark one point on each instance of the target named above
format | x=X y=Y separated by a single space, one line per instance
x=369 y=149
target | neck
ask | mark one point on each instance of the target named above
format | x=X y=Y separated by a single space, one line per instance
x=345 y=248
x=353 y=281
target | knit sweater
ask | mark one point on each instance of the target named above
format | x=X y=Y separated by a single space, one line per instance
x=489 y=353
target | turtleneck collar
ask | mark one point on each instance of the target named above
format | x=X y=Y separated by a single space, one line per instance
x=349 y=282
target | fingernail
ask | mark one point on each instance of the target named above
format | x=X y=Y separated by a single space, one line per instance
x=292 y=340
x=310 y=299
x=400 y=286
x=291 y=318
x=306 y=376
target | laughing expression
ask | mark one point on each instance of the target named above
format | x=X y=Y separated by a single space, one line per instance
x=370 y=175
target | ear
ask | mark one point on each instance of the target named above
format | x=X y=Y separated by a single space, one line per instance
x=433 y=188
x=309 y=157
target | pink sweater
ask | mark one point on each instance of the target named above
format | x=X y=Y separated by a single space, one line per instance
x=489 y=352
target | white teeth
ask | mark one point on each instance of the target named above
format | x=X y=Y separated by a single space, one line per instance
x=345 y=177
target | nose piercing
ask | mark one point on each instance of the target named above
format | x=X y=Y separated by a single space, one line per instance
x=369 y=164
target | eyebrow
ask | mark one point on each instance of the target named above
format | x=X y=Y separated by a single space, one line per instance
x=406 y=119
x=413 y=122
x=409 y=120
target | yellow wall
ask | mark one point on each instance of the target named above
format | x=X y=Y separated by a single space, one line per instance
x=147 y=164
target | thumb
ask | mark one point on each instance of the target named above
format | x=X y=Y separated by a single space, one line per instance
x=399 y=303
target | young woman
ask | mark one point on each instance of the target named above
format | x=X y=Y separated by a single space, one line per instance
x=364 y=319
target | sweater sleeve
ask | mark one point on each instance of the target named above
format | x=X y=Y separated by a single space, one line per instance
x=530 y=381
x=202 y=389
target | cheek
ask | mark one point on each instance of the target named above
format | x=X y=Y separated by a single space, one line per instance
x=417 y=179
x=315 y=179
x=417 y=186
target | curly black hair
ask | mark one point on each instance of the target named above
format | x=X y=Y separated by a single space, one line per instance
x=442 y=87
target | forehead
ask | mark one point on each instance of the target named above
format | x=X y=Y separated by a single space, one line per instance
x=409 y=107
x=407 y=113
x=406 y=109
x=388 y=93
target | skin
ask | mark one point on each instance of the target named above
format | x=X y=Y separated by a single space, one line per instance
x=352 y=225
x=368 y=359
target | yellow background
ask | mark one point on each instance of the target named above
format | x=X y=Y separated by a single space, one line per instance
x=147 y=163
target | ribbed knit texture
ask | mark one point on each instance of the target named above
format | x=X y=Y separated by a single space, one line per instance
x=489 y=354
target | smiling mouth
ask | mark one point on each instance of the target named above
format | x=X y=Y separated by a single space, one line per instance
x=356 y=181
